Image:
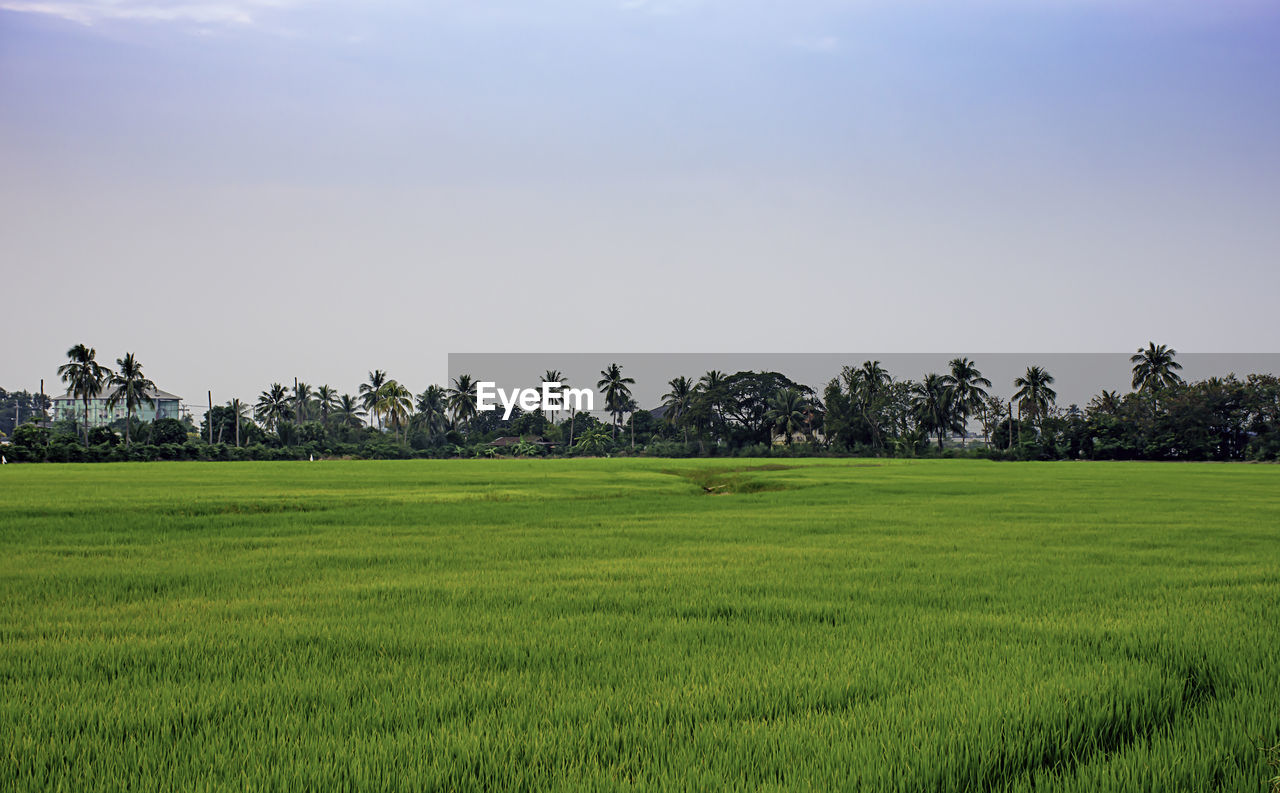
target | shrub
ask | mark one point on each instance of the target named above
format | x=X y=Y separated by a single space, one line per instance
x=167 y=431
x=661 y=448
x=103 y=436
x=753 y=450
x=64 y=449
x=30 y=440
x=526 y=449
x=1265 y=447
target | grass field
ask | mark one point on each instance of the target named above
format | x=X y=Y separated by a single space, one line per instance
x=531 y=625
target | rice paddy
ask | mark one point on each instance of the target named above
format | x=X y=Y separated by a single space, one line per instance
x=944 y=625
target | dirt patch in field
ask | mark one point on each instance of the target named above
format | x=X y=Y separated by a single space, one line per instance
x=737 y=479
x=731 y=479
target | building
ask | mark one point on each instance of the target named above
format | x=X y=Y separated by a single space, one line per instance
x=101 y=414
x=799 y=437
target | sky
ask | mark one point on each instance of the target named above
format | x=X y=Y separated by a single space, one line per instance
x=248 y=191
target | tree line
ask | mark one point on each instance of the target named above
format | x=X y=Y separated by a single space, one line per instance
x=863 y=411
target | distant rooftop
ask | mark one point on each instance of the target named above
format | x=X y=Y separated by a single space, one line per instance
x=153 y=393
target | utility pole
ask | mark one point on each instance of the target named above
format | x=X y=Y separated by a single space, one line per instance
x=208 y=417
x=1010 y=425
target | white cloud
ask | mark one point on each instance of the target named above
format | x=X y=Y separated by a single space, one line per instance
x=89 y=12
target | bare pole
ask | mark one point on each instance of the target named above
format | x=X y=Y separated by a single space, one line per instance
x=1010 y=425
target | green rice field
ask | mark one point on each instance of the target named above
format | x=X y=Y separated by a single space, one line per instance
x=946 y=625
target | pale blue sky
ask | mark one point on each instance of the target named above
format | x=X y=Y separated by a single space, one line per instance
x=243 y=192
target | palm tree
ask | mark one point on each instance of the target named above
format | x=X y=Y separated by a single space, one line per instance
x=1107 y=402
x=573 y=413
x=84 y=377
x=787 y=412
x=935 y=406
x=874 y=377
x=394 y=405
x=1154 y=368
x=273 y=406
x=709 y=385
x=432 y=406
x=238 y=414
x=867 y=385
x=677 y=402
x=348 y=411
x=369 y=390
x=301 y=401
x=616 y=393
x=462 y=399
x=553 y=376
x=131 y=386
x=631 y=406
x=327 y=400
x=966 y=384
x=711 y=380
x=1034 y=395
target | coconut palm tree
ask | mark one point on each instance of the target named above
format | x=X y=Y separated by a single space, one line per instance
x=369 y=390
x=1034 y=396
x=326 y=400
x=631 y=406
x=616 y=393
x=239 y=412
x=573 y=413
x=707 y=401
x=84 y=377
x=1107 y=402
x=967 y=389
x=394 y=406
x=1154 y=368
x=349 y=412
x=711 y=380
x=462 y=399
x=273 y=406
x=433 y=405
x=677 y=402
x=553 y=376
x=788 y=412
x=873 y=377
x=868 y=385
x=131 y=386
x=301 y=401
x=935 y=406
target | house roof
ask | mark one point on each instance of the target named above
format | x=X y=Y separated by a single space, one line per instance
x=512 y=440
x=153 y=393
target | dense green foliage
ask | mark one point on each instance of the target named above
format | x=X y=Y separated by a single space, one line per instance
x=19 y=406
x=862 y=412
x=577 y=624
